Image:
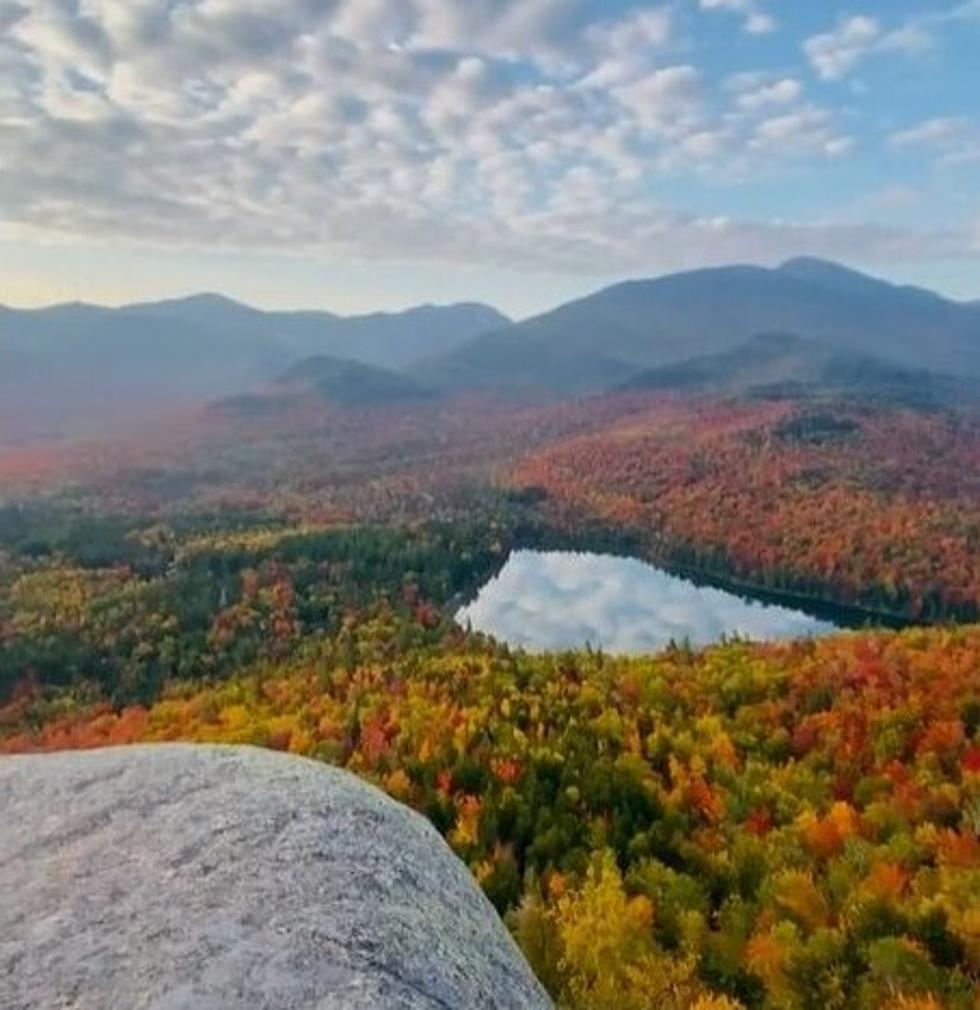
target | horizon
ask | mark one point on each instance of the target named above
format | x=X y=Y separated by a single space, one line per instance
x=358 y=157
x=244 y=302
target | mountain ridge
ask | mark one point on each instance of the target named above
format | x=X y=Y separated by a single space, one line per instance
x=646 y=323
x=779 y=365
x=60 y=366
x=67 y=361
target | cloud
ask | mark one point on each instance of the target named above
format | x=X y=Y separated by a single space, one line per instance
x=506 y=132
x=835 y=54
x=942 y=131
x=663 y=100
x=624 y=47
x=955 y=138
x=755 y=20
x=804 y=130
x=755 y=95
x=555 y=600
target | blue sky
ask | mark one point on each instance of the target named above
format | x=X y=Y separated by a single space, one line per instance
x=361 y=154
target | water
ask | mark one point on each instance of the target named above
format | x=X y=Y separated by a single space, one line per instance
x=559 y=600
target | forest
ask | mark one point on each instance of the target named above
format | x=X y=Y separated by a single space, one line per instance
x=750 y=826
x=877 y=508
x=864 y=504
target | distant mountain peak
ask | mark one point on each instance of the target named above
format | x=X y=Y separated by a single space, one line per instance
x=491 y=316
x=813 y=268
x=199 y=300
x=812 y=262
x=598 y=341
x=209 y=298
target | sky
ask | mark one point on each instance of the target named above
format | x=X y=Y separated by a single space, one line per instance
x=371 y=154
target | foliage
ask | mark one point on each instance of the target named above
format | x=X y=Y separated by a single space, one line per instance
x=175 y=604
x=871 y=505
x=751 y=827
x=876 y=508
x=768 y=825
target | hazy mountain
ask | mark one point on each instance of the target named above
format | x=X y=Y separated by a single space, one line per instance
x=782 y=364
x=602 y=339
x=389 y=339
x=68 y=367
x=76 y=364
x=324 y=379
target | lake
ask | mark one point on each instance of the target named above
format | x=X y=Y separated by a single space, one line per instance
x=545 y=600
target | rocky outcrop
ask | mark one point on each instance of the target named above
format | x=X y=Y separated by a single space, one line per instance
x=180 y=877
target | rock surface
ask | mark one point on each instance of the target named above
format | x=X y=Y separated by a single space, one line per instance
x=181 y=877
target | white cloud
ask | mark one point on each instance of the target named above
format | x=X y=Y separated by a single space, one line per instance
x=492 y=131
x=834 y=54
x=784 y=91
x=624 y=48
x=941 y=130
x=754 y=19
x=804 y=130
x=664 y=100
x=955 y=138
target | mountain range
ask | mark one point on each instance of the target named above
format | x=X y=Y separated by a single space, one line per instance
x=604 y=339
x=64 y=366
x=68 y=366
x=783 y=364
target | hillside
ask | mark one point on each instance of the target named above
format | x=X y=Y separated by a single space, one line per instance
x=784 y=365
x=750 y=827
x=323 y=380
x=740 y=828
x=862 y=503
x=603 y=339
x=246 y=879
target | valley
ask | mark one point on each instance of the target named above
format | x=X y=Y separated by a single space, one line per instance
x=678 y=650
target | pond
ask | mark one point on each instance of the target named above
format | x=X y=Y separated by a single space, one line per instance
x=545 y=600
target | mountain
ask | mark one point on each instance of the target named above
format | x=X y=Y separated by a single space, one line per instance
x=324 y=379
x=176 y=875
x=389 y=339
x=351 y=382
x=603 y=339
x=74 y=367
x=78 y=364
x=782 y=364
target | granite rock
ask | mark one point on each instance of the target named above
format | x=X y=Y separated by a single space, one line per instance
x=186 y=877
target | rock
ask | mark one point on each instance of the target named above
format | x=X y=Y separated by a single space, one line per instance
x=183 y=877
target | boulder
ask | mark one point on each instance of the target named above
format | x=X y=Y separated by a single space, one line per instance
x=186 y=877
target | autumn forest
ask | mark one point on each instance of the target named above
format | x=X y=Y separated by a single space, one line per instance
x=751 y=825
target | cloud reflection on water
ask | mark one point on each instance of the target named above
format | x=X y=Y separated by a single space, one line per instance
x=557 y=599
